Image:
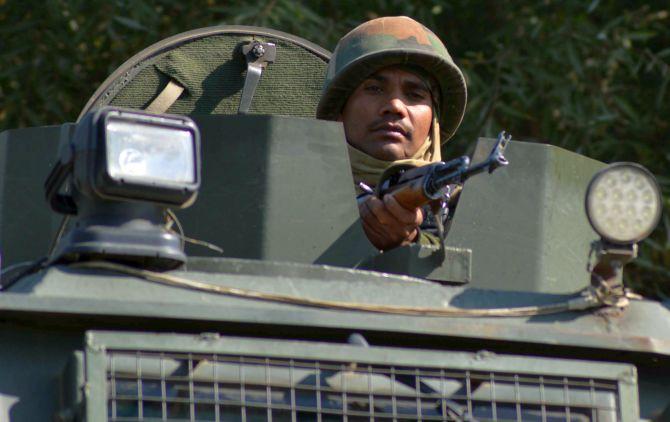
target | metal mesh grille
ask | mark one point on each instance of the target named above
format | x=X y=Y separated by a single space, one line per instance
x=145 y=386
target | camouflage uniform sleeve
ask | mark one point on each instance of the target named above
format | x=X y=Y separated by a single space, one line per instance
x=428 y=238
x=428 y=231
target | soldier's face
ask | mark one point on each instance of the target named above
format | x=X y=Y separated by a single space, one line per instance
x=389 y=115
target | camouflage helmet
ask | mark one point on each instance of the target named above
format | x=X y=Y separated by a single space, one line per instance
x=389 y=41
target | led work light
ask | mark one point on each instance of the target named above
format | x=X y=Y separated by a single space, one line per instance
x=117 y=174
x=623 y=203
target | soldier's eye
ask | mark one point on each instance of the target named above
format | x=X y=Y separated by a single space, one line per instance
x=373 y=88
x=417 y=95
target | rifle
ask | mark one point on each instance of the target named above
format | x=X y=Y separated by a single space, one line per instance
x=417 y=186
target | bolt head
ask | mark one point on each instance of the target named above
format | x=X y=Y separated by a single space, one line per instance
x=258 y=50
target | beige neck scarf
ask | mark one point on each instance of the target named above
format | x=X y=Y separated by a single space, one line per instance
x=368 y=169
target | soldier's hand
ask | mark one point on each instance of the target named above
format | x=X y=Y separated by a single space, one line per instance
x=387 y=224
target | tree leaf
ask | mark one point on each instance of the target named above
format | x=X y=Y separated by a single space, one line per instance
x=130 y=23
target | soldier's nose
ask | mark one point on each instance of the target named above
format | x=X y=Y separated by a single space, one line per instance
x=395 y=106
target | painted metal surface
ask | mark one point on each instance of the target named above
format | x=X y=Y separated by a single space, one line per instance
x=276 y=188
x=23 y=211
x=31 y=361
x=447 y=264
x=99 y=341
x=526 y=222
x=643 y=327
x=101 y=346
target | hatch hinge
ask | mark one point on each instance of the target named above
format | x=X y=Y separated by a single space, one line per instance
x=258 y=55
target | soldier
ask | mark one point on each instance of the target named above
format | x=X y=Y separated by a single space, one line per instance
x=399 y=95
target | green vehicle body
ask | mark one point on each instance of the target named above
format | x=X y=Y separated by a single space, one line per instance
x=277 y=196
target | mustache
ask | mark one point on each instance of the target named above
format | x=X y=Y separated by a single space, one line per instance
x=383 y=124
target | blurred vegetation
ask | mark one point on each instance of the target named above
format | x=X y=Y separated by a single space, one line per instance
x=589 y=76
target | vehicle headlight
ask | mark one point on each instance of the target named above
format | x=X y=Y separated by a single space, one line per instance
x=150 y=154
x=116 y=176
x=623 y=203
x=138 y=156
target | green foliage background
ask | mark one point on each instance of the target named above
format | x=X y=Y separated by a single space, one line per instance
x=589 y=76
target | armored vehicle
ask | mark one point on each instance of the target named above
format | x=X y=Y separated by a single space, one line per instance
x=199 y=257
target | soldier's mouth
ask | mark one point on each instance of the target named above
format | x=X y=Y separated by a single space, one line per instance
x=390 y=129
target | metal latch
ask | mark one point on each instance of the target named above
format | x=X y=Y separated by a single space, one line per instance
x=258 y=56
